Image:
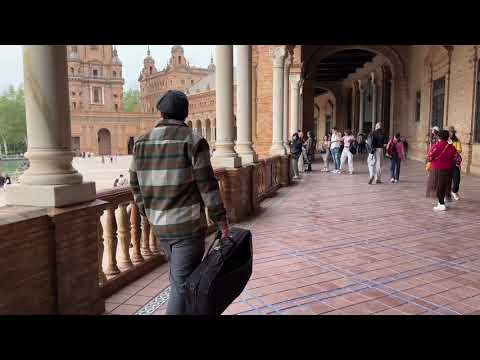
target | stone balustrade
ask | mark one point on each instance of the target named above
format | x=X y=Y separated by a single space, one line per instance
x=76 y=256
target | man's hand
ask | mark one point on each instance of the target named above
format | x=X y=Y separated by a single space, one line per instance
x=224 y=228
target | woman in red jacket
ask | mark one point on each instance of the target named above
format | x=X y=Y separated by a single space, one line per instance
x=441 y=156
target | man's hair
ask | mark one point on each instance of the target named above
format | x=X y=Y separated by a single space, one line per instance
x=309 y=133
x=348 y=132
x=121 y=175
x=397 y=135
x=173 y=105
x=378 y=125
x=443 y=135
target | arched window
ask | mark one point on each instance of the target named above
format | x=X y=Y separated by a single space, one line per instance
x=74 y=105
x=179 y=59
x=150 y=70
x=95 y=72
x=114 y=73
x=116 y=107
x=72 y=71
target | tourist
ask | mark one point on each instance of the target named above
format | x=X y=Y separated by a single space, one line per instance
x=175 y=201
x=309 y=150
x=396 y=153
x=296 y=152
x=111 y=159
x=325 y=151
x=2 y=182
x=457 y=163
x=115 y=183
x=122 y=181
x=335 y=142
x=378 y=141
x=348 y=141
x=301 y=159
x=103 y=159
x=439 y=183
x=361 y=143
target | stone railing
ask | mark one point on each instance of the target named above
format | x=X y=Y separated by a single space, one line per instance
x=127 y=245
x=267 y=175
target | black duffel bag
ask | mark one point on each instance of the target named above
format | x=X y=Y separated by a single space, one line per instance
x=222 y=275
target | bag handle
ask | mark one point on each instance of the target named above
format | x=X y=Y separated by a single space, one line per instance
x=445 y=148
x=218 y=237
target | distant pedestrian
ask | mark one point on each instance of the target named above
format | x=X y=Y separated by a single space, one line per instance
x=103 y=159
x=378 y=141
x=309 y=150
x=111 y=159
x=396 y=153
x=115 y=183
x=457 y=163
x=2 y=182
x=122 y=181
x=348 y=140
x=439 y=183
x=325 y=151
x=296 y=151
x=335 y=142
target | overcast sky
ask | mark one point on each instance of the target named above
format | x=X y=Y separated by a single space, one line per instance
x=131 y=56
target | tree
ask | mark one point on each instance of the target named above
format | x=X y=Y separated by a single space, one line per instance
x=131 y=101
x=13 y=129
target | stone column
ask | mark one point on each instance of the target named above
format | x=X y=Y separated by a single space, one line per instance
x=277 y=121
x=352 y=110
x=294 y=102
x=51 y=179
x=286 y=92
x=374 y=101
x=244 y=104
x=362 y=102
x=392 y=104
x=224 y=155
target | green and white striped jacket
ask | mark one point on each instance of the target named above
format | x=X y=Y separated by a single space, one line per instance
x=172 y=182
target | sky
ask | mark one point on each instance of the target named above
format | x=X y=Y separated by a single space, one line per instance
x=131 y=56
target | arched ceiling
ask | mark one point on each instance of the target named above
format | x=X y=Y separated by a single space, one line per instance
x=339 y=65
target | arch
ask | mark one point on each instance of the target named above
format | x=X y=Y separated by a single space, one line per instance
x=104 y=142
x=392 y=56
x=114 y=73
x=208 y=127
x=189 y=124
x=437 y=53
x=198 y=127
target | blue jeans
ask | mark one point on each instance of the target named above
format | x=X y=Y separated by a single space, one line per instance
x=336 y=157
x=183 y=257
x=395 y=168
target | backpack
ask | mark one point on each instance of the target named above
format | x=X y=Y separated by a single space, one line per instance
x=370 y=140
x=392 y=150
x=353 y=147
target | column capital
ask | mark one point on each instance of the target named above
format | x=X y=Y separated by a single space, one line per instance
x=361 y=85
x=278 y=55
x=288 y=63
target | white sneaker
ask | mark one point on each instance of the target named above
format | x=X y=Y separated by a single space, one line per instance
x=455 y=196
x=295 y=178
x=392 y=180
x=396 y=181
x=440 y=207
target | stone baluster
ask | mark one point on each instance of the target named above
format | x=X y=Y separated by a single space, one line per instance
x=135 y=233
x=110 y=240
x=153 y=242
x=145 y=247
x=102 y=279
x=123 y=229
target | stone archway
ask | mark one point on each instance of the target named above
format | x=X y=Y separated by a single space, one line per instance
x=104 y=142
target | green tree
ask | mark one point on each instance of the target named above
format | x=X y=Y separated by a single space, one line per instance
x=13 y=131
x=131 y=101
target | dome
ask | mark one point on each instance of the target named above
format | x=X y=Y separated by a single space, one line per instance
x=177 y=47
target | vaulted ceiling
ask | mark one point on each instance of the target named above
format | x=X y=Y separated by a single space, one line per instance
x=339 y=65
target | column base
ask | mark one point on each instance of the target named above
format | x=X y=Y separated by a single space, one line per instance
x=277 y=149
x=248 y=158
x=226 y=162
x=50 y=195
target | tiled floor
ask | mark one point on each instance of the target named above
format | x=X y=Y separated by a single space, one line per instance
x=332 y=244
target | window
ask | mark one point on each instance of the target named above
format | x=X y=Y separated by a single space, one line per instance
x=114 y=73
x=97 y=95
x=418 y=98
x=438 y=102
x=116 y=107
x=477 y=110
x=150 y=70
x=73 y=93
x=72 y=71
x=95 y=72
x=74 y=105
x=191 y=82
x=179 y=59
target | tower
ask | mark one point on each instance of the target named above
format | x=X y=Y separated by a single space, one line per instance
x=95 y=78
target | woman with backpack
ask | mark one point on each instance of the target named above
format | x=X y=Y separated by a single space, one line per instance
x=441 y=157
x=457 y=163
x=348 y=146
x=396 y=153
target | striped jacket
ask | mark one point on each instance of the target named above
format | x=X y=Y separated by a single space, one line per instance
x=172 y=182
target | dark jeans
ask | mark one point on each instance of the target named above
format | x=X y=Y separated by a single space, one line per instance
x=183 y=257
x=395 y=168
x=455 y=179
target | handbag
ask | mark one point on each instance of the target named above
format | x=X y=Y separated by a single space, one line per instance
x=222 y=275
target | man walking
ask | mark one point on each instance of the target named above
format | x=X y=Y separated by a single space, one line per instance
x=309 y=150
x=378 y=143
x=173 y=182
